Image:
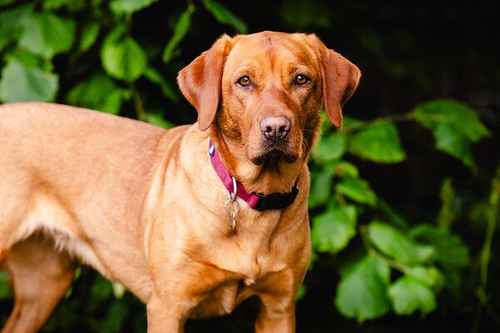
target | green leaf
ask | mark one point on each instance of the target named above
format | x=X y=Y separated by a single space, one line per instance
x=409 y=295
x=457 y=115
x=158 y=120
x=115 y=317
x=123 y=58
x=344 y=169
x=451 y=252
x=357 y=190
x=321 y=188
x=429 y=276
x=6 y=2
x=378 y=142
x=330 y=147
x=455 y=127
x=56 y=4
x=180 y=31
x=11 y=23
x=90 y=33
x=452 y=142
x=397 y=245
x=46 y=34
x=124 y=7
x=301 y=293
x=20 y=82
x=333 y=230
x=167 y=88
x=98 y=93
x=349 y=124
x=101 y=291
x=225 y=16
x=5 y=291
x=28 y=59
x=362 y=292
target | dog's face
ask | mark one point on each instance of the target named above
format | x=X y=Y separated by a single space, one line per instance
x=271 y=93
x=272 y=86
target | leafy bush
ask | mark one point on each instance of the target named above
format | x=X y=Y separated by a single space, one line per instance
x=93 y=54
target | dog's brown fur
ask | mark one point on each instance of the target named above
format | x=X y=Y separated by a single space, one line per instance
x=144 y=206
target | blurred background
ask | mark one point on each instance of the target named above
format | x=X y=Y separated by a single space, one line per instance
x=404 y=203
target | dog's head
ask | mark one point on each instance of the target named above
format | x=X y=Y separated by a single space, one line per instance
x=264 y=91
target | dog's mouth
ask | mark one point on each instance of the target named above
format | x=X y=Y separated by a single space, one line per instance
x=271 y=156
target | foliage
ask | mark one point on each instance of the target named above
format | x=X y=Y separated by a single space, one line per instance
x=93 y=54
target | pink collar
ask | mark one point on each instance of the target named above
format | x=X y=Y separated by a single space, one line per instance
x=255 y=200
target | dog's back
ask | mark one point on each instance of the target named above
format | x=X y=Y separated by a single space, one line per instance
x=73 y=174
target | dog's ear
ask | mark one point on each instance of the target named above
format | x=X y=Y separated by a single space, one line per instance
x=200 y=81
x=340 y=79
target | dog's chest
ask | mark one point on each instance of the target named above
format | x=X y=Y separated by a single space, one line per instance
x=222 y=300
x=250 y=251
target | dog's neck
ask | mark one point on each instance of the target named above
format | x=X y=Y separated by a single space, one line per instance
x=263 y=179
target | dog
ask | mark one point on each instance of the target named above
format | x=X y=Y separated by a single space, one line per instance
x=193 y=220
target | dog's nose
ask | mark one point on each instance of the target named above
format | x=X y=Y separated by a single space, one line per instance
x=275 y=127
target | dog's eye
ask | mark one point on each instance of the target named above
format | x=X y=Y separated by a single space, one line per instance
x=301 y=79
x=244 y=81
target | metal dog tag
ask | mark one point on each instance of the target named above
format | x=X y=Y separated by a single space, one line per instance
x=232 y=205
x=232 y=208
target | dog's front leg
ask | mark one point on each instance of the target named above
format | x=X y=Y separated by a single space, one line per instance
x=276 y=316
x=165 y=316
x=277 y=295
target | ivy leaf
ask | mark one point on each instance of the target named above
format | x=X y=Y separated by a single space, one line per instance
x=457 y=115
x=11 y=23
x=90 y=33
x=125 y=7
x=362 y=292
x=98 y=93
x=451 y=252
x=345 y=169
x=378 y=142
x=455 y=127
x=180 y=31
x=167 y=88
x=21 y=82
x=357 y=190
x=397 y=245
x=123 y=58
x=452 y=142
x=429 y=276
x=321 y=188
x=333 y=230
x=330 y=147
x=409 y=295
x=46 y=34
x=225 y=16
